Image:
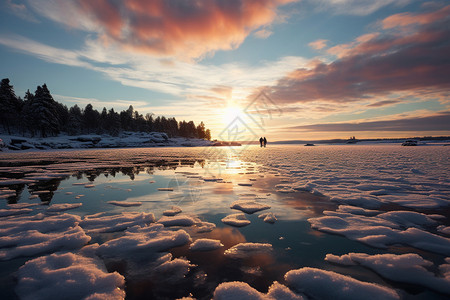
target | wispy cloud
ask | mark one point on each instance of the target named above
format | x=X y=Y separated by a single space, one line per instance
x=184 y=29
x=435 y=122
x=20 y=10
x=318 y=44
x=355 y=7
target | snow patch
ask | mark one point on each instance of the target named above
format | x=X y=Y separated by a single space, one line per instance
x=322 y=284
x=409 y=268
x=205 y=245
x=70 y=276
x=248 y=206
x=125 y=203
x=153 y=238
x=104 y=223
x=63 y=207
x=237 y=220
x=243 y=250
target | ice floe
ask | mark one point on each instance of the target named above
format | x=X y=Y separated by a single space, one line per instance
x=241 y=290
x=243 y=250
x=63 y=206
x=205 y=245
x=410 y=268
x=110 y=223
x=237 y=220
x=268 y=217
x=31 y=235
x=14 y=211
x=144 y=239
x=68 y=276
x=248 y=206
x=205 y=227
x=178 y=220
x=125 y=203
x=322 y=284
x=381 y=232
x=173 y=211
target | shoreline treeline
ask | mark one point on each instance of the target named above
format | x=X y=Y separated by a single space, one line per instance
x=39 y=114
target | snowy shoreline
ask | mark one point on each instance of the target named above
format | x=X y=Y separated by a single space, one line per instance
x=13 y=143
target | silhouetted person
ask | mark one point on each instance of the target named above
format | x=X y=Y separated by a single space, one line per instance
x=265 y=142
x=261 y=141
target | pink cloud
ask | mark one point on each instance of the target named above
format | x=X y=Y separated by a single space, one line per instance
x=376 y=65
x=186 y=28
x=318 y=44
x=406 y=19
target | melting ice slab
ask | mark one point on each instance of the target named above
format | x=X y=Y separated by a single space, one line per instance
x=248 y=206
x=205 y=245
x=321 y=284
x=409 y=268
x=68 y=276
x=144 y=239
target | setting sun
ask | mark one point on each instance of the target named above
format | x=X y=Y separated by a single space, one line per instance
x=231 y=113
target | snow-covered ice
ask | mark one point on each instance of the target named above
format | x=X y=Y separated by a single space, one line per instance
x=248 y=206
x=14 y=211
x=322 y=284
x=409 y=268
x=243 y=250
x=110 y=223
x=384 y=229
x=28 y=236
x=241 y=290
x=68 y=276
x=153 y=238
x=205 y=245
x=268 y=217
x=63 y=206
x=173 y=211
x=178 y=220
x=125 y=203
x=237 y=220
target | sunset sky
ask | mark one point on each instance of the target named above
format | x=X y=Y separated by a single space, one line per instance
x=327 y=68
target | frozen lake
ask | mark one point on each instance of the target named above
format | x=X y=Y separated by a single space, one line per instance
x=167 y=223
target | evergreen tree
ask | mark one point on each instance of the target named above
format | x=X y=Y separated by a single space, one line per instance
x=44 y=108
x=75 y=121
x=208 y=134
x=90 y=119
x=9 y=105
x=113 y=123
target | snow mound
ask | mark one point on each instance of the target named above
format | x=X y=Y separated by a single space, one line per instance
x=243 y=250
x=104 y=223
x=379 y=232
x=125 y=203
x=63 y=207
x=241 y=290
x=173 y=211
x=248 y=206
x=174 y=269
x=28 y=236
x=237 y=220
x=70 y=276
x=357 y=210
x=322 y=284
x=14 y=211
x=179 y=220
x=268 y=217
x=153 y=238
x=205 y=227
x=409 y=268
x=205 y=245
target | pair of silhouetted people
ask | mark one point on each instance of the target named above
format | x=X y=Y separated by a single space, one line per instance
x=263 y=141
